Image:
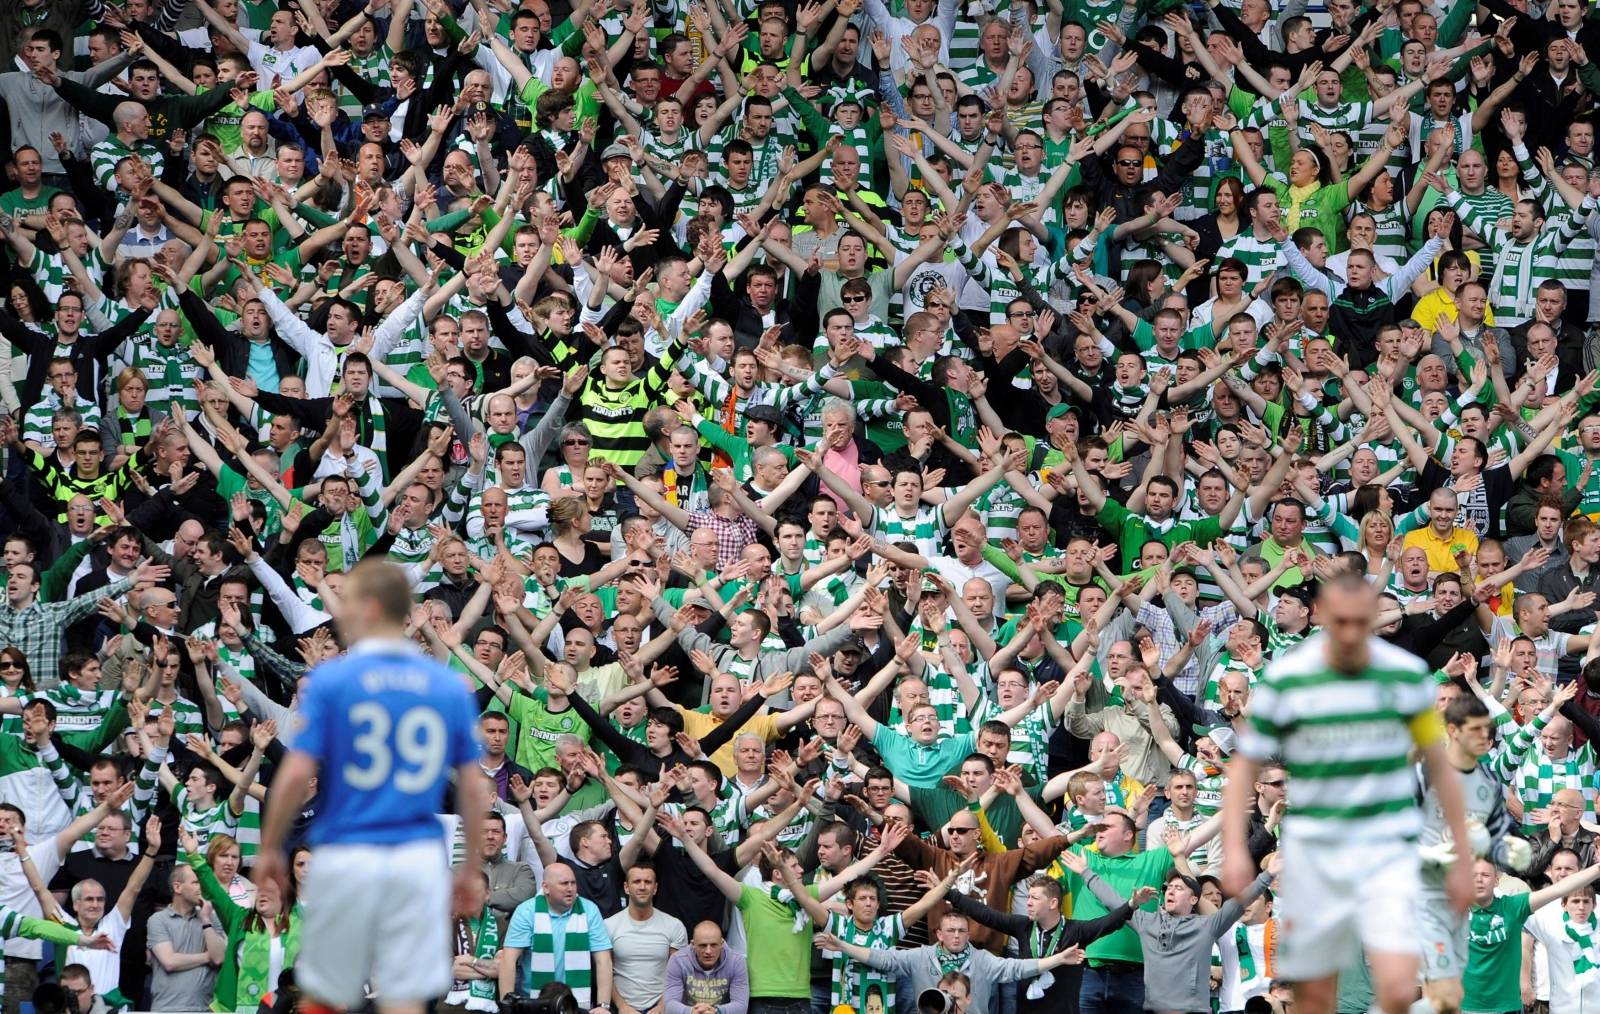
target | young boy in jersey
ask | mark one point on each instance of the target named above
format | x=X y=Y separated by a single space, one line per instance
x=386 y=726
x=201 y=809
x=1469 y=734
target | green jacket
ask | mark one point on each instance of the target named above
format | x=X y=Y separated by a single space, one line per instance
x=242 y=980
x=53 y=582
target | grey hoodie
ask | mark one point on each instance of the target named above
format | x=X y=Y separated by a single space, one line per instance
x=37 y=111
x=1177 y=948
x=985 y=970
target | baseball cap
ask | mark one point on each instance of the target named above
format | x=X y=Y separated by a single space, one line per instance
x=855 y=644
x=374 y=113
x=615 y=150
x=1057 y=411
x=1224 y=736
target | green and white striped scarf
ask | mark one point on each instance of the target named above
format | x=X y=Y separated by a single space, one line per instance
x=479 y=937
x=379 y=444
x=1587 y=962
x=1539 y=776
x=577 y=971
x=952 y=962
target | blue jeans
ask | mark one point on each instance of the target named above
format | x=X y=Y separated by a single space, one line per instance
x=905 y=995
x=1112 y=989
x=778 y=1005
x=1003 y=998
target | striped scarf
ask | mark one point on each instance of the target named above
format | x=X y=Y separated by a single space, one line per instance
x=1126 y=400
x=479 y=937
x=1587 y=963
x=133 y=430
x=377 y=439
x=577 y=971
x=952 y=962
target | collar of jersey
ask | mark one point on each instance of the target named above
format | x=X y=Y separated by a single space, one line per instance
x=385 y=646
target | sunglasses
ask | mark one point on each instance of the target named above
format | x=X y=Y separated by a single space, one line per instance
x=1129 y=163
x=852 y=299
x=574 y=443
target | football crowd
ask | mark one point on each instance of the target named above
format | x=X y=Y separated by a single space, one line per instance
x=881 y=466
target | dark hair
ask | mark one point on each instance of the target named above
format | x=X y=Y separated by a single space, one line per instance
x=1464 y=709
x=1541 y=469
x=17 y=655
x=50 y=37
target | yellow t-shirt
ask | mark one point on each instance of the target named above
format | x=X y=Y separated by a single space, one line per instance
x=699 y=723
x=1428 y=308
x=1442 y=552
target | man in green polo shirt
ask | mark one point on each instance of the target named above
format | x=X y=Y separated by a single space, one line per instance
x=1491 y=978
x=1116 y=960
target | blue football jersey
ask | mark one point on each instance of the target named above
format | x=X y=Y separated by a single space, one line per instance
x=386 y=725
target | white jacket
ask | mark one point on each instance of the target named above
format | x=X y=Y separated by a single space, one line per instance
x=323 y=358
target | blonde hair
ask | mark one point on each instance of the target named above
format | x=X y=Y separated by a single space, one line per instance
x=565 y=512
x=1381 y=515
x=128 y=375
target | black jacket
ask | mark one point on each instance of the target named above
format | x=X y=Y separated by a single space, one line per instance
x=232 y=348
x=744 y=318
x=88 y=353
x=1099 y=177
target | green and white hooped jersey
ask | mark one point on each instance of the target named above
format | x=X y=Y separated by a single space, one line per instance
x=1345 y=739
x=186 y=715
x=1030 y=738
x=215 y=819
x=77 y=710
x=927 y=528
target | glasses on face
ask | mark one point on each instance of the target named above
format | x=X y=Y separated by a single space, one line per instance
x=875 y=482
x=1276 y=785
x=963 y=830
x=6 y=663
x=574 y=443
x=852 y=299
x=1129 y=163
x=1024 y=314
